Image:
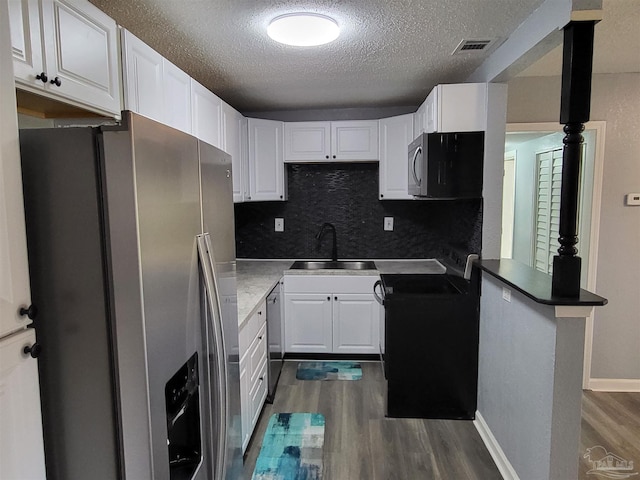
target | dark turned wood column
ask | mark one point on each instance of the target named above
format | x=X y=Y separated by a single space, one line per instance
x=574 y=113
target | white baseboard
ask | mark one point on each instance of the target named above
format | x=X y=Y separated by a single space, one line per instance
x=495 y=450
x=614 y=384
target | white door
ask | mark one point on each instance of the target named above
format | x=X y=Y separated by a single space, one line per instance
x=143 y=88
x=177 y=97
x=508 y=204
x=307 y=141
x=266 y=162
x=308 y=326
x=206 y=111
x=14 y=270
x=395 y=136
x=354 y=140
x=81 y=50
x=21 y=444
x=26 y=43
x=356 y=327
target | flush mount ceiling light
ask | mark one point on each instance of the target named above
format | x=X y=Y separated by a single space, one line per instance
x=303 y=29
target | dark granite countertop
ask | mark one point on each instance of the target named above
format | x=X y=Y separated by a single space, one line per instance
x=533 y=283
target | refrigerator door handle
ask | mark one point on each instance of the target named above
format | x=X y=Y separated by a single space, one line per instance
x=206 y=260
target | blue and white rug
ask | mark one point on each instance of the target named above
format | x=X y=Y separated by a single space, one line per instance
x=329 y=371
x=291 y=448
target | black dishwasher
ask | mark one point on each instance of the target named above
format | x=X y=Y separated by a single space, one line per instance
x=431 y=345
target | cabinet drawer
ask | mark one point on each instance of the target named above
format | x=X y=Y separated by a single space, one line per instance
x=329 y=283
x=258 y=393
x=257 y=354
x=249 y=330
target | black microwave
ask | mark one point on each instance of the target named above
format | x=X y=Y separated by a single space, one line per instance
x=446 y=165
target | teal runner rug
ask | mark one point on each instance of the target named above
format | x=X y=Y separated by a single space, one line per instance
x=291 y=448
x=329 y=371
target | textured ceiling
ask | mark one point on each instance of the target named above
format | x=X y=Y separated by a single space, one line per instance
x=616 y=43
x=390 y=52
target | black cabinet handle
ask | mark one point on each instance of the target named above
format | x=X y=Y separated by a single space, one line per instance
x=34 y=350
x=261 y=378
x=31 y=312
x=260 y=337
x=56 y=81
x=328 y=298
x=42 y=77
x=327 y=156
x=334 y=156
x=335 y=298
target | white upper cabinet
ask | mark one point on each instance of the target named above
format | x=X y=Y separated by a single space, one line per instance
x=234 y=137
x=266 y=167
x=153 y=86
x=460 y=107
x=68 y=50
x=206 y=114
x=396 y=133
x=177 y=97
x=142 y=74
x=307 y=141
x=354 y=140
x=345 y=141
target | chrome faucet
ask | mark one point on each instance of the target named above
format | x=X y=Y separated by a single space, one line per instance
x=320 y=235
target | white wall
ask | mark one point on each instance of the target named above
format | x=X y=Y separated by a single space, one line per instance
x=616 y=100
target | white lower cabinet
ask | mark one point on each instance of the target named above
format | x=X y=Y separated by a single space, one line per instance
x=344 y=320
x=253 y=371
x=308 y=323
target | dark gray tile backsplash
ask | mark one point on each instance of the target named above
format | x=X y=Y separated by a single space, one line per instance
x=346 y=195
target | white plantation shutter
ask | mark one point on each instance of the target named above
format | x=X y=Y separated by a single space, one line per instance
x=547 y=213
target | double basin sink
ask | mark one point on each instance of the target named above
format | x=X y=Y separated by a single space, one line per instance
x=333 y=265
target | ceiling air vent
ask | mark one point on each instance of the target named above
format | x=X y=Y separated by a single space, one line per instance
x=473 y=46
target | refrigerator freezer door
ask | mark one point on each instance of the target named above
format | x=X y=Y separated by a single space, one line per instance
x=21 y=447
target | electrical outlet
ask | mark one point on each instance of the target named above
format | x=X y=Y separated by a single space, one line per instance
x=506 y=294
x=279 y=224
x=388 y=224
x=633 y=198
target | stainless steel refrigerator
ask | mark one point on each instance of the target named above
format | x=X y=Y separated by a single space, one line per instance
x=131 y=247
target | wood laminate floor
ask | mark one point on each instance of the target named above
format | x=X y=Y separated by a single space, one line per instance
x=360 y=443
x=610 y=420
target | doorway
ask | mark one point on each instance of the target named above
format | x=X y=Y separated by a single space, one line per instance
x=527 y=142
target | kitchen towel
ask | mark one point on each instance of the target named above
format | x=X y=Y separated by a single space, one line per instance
x=291 y=448
x=329 y=371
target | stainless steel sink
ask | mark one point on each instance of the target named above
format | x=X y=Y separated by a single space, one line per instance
x=339 y=265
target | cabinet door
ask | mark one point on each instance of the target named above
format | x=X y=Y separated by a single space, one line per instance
x=143 y=86
x=307 y=141
x=81 y=51
x=308 y=323
x=232 y=141
x=431 y=112
x=206 y=114
x=14 y=269
x=462 y=107
x=395 y=136
x=419 y=120
x=177 y=97
x=26 y=43
x=356 y=327
x=354 y=140
x=21 y=440
x=266 y=162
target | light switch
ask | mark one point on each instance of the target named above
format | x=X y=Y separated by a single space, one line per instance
x=388 y=224
x=279 y=224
